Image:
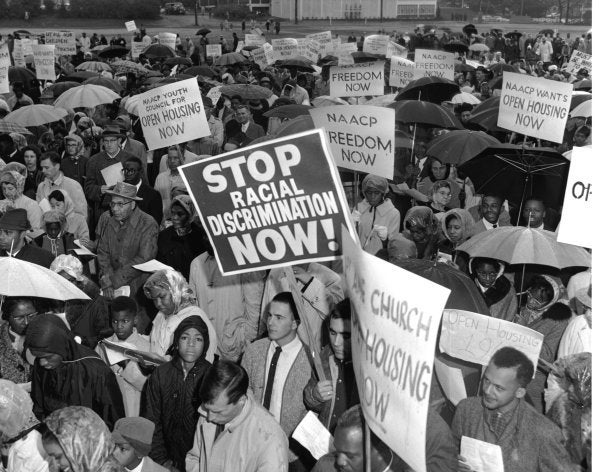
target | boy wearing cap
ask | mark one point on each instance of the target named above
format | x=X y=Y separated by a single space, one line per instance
x=133 y=442
x=13 y=227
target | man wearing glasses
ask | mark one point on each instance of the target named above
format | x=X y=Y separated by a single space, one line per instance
x=126 y=236
x=95 y=186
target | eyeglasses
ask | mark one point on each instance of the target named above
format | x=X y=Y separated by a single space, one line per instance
x=129 y=171
x=118 y=204
x=26 y=317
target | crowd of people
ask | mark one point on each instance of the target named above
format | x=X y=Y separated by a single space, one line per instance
x=217 y=374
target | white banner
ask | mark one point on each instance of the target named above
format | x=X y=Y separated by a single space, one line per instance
x=376 y=44
x=136 y=48
x=259 y=57
x=213 y=50
x=357 y=80
x=254 y=40
x=130 y=25
x=172 y=114
x=284 y=48
x=475 y=338
x=17 y=53
x=402 y=71
x=4 y=65
x=360 y=137
x=28 y=46
x=394 y=330
x=64 y=42
x=430 y=63
x=579 y=60
x=268 y=53
x=323 y=38
x=43 y=58
x=168 y=39
x=576 y=226
x=535 y=107
x=394 y=49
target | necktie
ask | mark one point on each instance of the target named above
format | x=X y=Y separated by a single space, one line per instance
x=271 y=378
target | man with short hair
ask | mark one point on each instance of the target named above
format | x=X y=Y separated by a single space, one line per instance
x=332 y=396
x=534 y=214
x=241 y=131
x=126 y=236
x=463 y=112
x=13 y=227
x=8 y=151
x=234 y=432
x=151 y=202
x=529 y=441
x=54 y=179
x=489 y=214
x=279 y=369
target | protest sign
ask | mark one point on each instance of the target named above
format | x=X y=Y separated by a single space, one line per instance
x=332 y=46
x=4 y=65
x=430 y=63
x=268 y=53
x=402 y=71
x=172 y=114
x=308 y=48
x=28 y=46
x=451 y=380
x=360 y=137
x=136 y=48
x=214 y=94
x=259 y=57
x=344 y=53
x=43 y=58
x=168 y=39
x=284 y=48
x=474 y=338
x=64 y=42
x=579 y=60
x=534 y=106
x=323 y=39
x=394 y=49
x=264 y=206
x=576 y=226
x=254 y=40
x=213 y=50
x=17 y=53
x=394 y=330
x=357 y=80
x=130 y=25
x=376 y=44
x=240 y=46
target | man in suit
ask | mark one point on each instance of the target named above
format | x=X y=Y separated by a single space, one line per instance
x=279 y=369
x=132 y=146
x=241 y=131
x=490 y=214
x=8 y=151
x=536 y=215
x=152 y=201
x=13 y=227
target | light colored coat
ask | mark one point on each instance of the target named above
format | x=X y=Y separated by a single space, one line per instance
x=385 y=214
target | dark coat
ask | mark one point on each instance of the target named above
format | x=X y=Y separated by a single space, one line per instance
x=13 y=367
x=172 y=405
x=151 y=203
x=178 y=251
x=32 y=253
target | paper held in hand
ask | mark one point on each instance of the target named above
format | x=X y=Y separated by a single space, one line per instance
x=313 y=436
x=117 y=352
x=481 y=456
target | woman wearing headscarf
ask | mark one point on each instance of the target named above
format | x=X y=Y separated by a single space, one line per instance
x=76 y=225
x=433 y=171
x=77 y=440
x=545 y=311
x=19 y=431
x=183 y=241
x=31 y=156
x=66 y=373
x=56 y=240
x=457 y=226
x=13 y=185
x=175 y=301
x=497 y=291
x=376 y=216
x=422 y=227
x=74 y=161
x=172 y=399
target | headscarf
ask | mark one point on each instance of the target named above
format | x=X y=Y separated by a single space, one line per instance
x=187 y=323
x=185 y=202
x=78 y=140
x=175 y=283
x=19 y=140
x=49 y=333
x=529 y=315
x=422 y=217
x=400 y=248
x=69 y=207
x=466 y=220
x=55 y=216
x=85 y=439
x=15 y=178
x=16 y=414
x=376 y=182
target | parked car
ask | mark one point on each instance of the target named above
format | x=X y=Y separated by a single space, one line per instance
x=174 y=8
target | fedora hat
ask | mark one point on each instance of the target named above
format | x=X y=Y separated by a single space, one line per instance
x=125 y=190
x=112 y=130
x=15 y=219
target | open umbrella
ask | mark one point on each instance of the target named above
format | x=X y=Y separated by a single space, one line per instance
x=122 y=67
x=488 y=103
x=295 y=125
x=246 y=91
x=155 y=51
x=456 y=46
x=112 y=84
x=202 y=31
x=585 y=84
x=94 y=66
x=9 y=127
x=21 y=74
x=326 y=101
x=478 y=47
x=425 y=113
x=298 y=63
x=35 y=115
x=578 y=97
x=514 y=35
x=430 y=89
x=178 y=61
x=498 y=69
x=230 y=58
x=113 y=51
x=458 y=146
x=469 y=29
x=360 y=56
x=460 y=66
x=288 y=111
x=25 y=279
x=516 y=171
x=55 y=90
x=583 y=110
x=522 y=245
x=79 y=76
x=464 y=97
x=546 y=31
x=23 y=32
x=86 y=96
x=382 y=100
x=201 y=70
x=486 y=120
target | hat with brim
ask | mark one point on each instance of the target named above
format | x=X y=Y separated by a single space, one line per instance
x=15 y=220
x=112 y=131
x=125 y=190
x=584 y=295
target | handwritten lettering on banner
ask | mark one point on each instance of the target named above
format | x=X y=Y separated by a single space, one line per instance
x=376 y=44
x=357 y=80
x=394 y=49
x=4 y=65
x=534 y=106
x=360 y=137
x=168 y=39
x=323 y=39
x=579 y=60
x=259 y=57
x=17 y=53
x=213 y=50
x=284 y=48
x=576 y=226
x=430 y=63
x=136 y=49
x=264 y=206
x=402 y=71
x=172 y=114
x=254 y=39
x=474 y=338
x=64 y=42
x=394 y=329
x=131 y=26
x=43 y=58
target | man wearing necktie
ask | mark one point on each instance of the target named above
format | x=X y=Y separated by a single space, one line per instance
x=490 y=214
x=279 y=369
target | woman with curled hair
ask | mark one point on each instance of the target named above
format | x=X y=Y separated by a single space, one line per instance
x=422 y=227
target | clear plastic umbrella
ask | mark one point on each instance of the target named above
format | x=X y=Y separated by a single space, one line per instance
x=87 y=96
x=36 y=115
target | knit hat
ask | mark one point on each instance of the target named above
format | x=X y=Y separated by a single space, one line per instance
x=15 y=220
x=136 y=431
x=376 y=182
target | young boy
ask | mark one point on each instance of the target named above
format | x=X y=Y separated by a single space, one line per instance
x=130 y=378
x=133 y=441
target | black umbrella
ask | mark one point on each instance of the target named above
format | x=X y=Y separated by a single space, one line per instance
x=498 y=69
x=177 y=61
x=486 y=120
x=360 y=56
x=288 y=111
x=546 y=31
x=514 y=35
x=469 y=29
x=462 y=67
x=113 y=51
x=430 y=89
x=298 y=63
x=456 y=46
x=458 y=146
x=204 y=71
x=577 y=100
x=78 y=76
x=202 y=32
x=585 y=85
x=425 y=113
x=56 y=89
x=23 y=32
x=515 y=171
x=21 y=74
x=154 y=51
x=492 y=102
